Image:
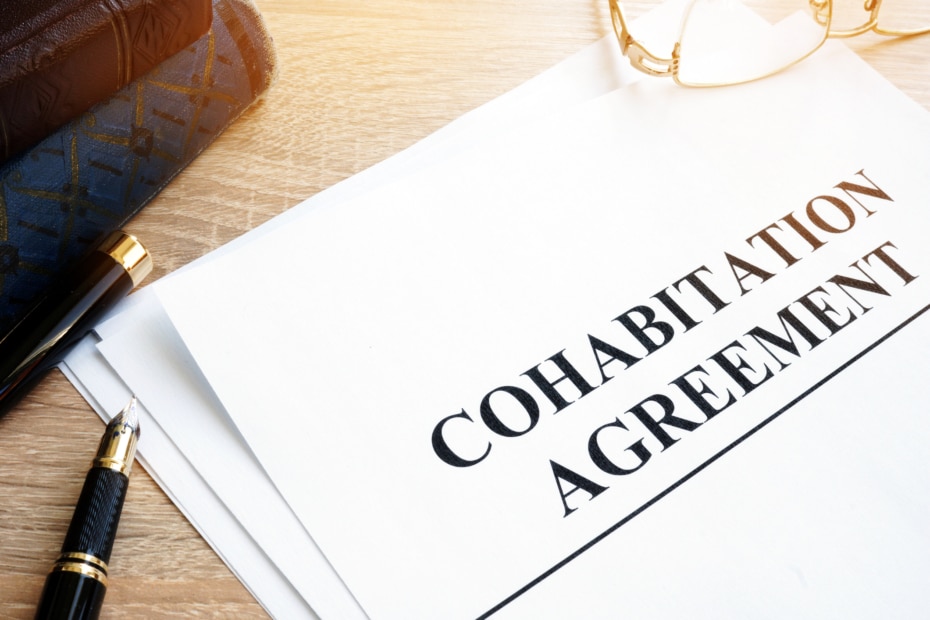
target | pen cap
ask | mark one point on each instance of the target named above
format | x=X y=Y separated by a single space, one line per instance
x=126 y=250
x=67 y=310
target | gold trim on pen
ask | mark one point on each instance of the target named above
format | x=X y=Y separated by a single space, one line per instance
x=85 y=558
x=126 y=250
x=83 y=563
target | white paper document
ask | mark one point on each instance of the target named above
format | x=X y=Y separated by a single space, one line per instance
x=658 y=355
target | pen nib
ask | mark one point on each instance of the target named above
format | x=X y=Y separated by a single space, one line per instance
x=127 y=420
x=118 y=446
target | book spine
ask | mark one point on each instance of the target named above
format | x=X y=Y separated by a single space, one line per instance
x=60 y=197
x=64 y=64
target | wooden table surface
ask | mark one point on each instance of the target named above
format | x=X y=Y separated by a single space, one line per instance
x=358 y=82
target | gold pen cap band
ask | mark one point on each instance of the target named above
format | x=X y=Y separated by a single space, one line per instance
x=83 y=563
x=82 y=568
x=126 y=250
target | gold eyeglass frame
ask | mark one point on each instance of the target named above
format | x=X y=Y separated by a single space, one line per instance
x=651 y=64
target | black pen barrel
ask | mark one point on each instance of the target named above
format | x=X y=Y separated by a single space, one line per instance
x=70 y=595
x=96 y=516
x=75 y=587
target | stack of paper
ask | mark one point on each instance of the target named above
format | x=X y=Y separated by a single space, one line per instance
x=649 y=352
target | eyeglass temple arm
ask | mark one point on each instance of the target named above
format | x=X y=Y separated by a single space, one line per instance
x=639 y=56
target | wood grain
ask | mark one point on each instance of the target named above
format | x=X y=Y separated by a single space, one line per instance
x=358 y=82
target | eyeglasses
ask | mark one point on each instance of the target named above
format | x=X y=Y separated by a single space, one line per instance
x=715 y=43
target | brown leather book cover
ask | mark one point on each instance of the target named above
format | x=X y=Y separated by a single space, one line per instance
x=60 y=57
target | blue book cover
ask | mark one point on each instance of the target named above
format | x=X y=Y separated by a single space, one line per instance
x=62 y=196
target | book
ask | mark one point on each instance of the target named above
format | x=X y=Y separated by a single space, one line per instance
x=86 y=179
x=60 y=57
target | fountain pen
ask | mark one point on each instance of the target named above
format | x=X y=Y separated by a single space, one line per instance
x=75 y=586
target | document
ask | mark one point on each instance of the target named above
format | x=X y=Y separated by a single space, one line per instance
x=657 y=354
